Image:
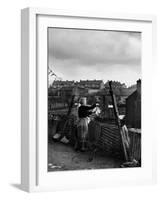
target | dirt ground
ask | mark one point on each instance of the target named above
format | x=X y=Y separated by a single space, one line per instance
x=64 y=157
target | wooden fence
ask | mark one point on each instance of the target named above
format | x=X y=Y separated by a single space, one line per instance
x=108 y=139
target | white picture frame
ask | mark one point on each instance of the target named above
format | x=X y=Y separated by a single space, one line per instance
x=33 y=101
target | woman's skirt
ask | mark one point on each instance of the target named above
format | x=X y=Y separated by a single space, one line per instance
x=82 y=130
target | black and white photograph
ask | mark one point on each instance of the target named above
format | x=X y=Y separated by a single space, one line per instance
x=94 y=99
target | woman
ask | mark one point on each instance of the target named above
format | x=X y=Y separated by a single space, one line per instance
x=84 y=112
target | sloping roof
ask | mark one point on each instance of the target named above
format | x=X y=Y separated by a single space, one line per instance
x=133 y=95
x=91 y=81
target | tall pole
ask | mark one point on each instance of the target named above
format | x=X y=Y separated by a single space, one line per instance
x=116 y=113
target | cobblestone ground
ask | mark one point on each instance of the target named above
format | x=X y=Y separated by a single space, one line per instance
x=64 y=157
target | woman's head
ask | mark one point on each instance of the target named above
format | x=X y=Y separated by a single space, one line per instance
x=83 y=101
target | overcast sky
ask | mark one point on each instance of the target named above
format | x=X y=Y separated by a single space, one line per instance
x=89 y=54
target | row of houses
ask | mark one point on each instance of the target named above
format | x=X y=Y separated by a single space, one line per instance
x=82 y=83
x=93 y=86
x=96 y=84
x=90 y=86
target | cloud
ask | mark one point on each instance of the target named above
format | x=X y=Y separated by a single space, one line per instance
x=72 y=51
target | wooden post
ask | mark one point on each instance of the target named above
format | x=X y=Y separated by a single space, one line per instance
x=116 y=112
